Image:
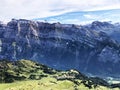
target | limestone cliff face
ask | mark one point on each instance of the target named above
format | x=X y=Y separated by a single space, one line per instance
x=62 y=46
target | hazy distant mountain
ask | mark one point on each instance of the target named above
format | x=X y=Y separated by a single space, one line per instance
x=63 y=46
x=84 y=17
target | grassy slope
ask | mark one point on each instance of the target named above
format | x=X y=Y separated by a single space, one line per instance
x=28 y=75
x=48 y=84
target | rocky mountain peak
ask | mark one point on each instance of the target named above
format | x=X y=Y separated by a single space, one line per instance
x=101 y=25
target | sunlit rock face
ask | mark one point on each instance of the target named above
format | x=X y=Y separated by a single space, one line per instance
x=61 y=46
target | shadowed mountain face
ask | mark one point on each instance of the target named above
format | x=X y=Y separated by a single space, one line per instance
x=61 y=46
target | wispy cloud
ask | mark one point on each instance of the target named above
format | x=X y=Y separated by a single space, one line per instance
x=42 y=8
x=91 y=16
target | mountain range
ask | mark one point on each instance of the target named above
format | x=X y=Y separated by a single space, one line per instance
x=93 y=49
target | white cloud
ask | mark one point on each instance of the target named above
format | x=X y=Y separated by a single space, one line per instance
x=91 y=16
x=42 y=8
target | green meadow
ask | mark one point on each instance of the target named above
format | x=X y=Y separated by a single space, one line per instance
x=29 y=75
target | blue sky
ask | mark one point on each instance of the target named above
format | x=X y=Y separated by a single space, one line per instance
x=30 y=9
x=85 y=17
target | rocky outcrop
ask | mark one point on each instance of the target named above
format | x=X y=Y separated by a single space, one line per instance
x=61 y=46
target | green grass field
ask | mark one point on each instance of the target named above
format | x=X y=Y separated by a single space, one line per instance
x=48 y=83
